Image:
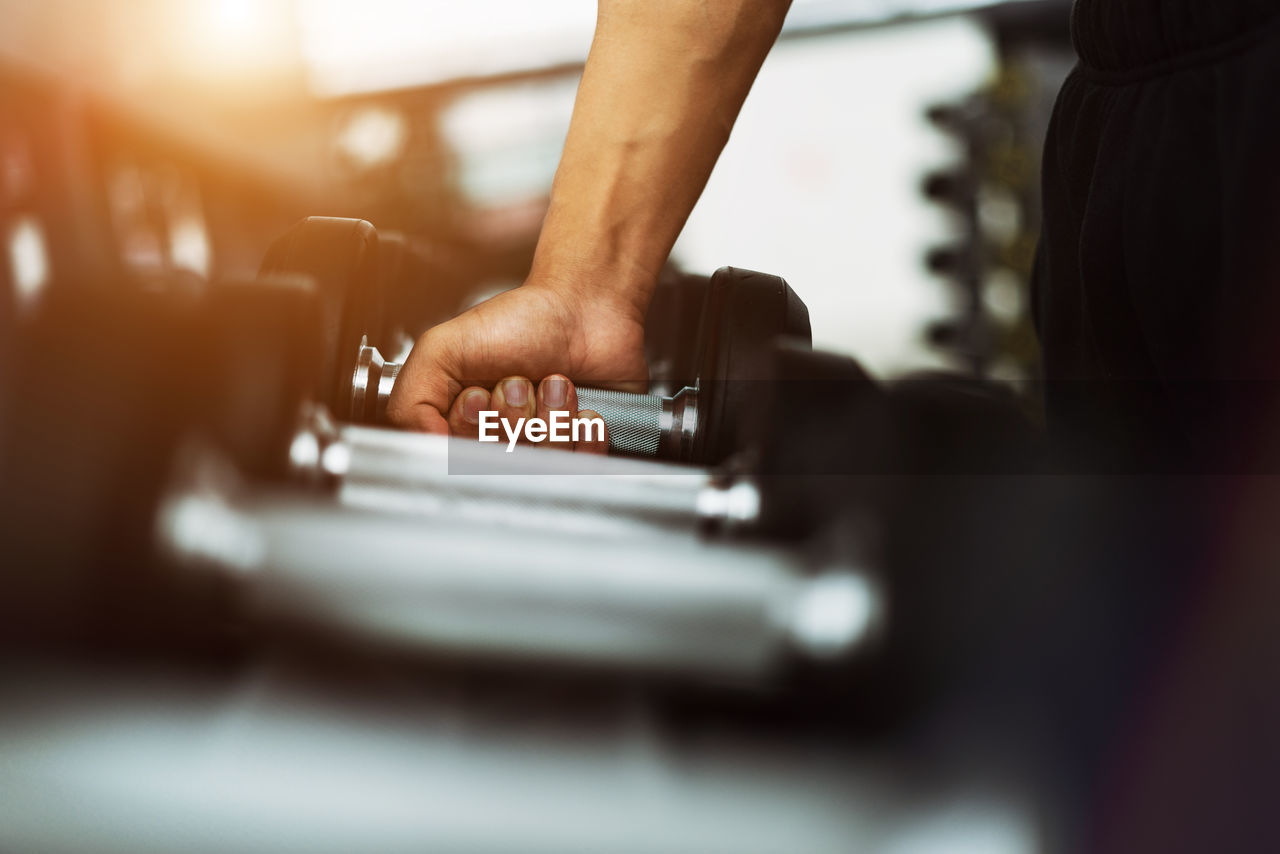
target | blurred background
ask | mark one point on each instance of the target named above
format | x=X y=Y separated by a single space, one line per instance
x=885 y=164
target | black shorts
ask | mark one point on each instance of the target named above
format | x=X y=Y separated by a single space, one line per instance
x=1157 y=292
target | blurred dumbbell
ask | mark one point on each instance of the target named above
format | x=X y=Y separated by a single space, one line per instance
x=340 y=256
x=743 y=314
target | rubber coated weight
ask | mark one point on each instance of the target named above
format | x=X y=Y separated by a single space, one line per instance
x=341 y=258
x=671 y=330
x=262 y=348
x=421 y=286
x=85 y=451
x=743 y=315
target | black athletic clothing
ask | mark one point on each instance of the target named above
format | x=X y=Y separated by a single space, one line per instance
x=1157 y=294
x=1157 y=301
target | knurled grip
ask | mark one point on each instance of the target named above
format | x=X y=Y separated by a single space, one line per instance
x=634 y=420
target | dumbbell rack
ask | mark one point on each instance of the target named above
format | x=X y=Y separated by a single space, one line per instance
x=447 y=547
x=255 y=526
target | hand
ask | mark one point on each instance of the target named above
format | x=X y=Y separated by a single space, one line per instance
x=517 y=401
x=539 y=331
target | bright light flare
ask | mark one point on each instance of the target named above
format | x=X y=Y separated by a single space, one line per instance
x=234 y=16
x=29 y=262
x=372 y=136
x=237 y=38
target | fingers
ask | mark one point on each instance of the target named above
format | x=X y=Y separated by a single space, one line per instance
x=592 y=439
x=464 y=415
x=514 y=400
x=556 y=394
x=557 y=398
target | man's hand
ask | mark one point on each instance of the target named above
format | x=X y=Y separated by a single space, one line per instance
x=661 y=89
x=485 y=358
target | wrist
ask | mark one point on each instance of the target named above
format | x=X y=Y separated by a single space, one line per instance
x=616 y=285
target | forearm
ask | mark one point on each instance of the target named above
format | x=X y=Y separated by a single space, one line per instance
x=661 y=90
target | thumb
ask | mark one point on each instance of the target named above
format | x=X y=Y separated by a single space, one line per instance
x=425 y=387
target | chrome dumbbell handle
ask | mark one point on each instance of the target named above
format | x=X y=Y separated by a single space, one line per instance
x=640 y=425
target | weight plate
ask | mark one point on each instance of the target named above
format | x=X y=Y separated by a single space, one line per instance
x=341 y=258
x=744 y=314
x=264 y=351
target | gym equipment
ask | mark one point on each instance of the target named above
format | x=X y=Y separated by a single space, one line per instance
x=341 y=258
x=147 y=525
x=421 y=283
x=643 y=425
x=261 y=352
x=743 y=313
x=541 y=488
x=440 y=585
x=258 y=348
x=671 y=330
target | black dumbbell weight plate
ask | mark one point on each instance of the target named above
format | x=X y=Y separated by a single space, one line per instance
x=262 y=349
x=744 y=315
x=341 y=257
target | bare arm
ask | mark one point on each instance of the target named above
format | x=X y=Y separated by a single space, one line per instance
x=661 y=90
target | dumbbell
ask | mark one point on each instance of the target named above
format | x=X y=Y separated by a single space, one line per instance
x=743 y=313
x=256 y=354
x=643 y=425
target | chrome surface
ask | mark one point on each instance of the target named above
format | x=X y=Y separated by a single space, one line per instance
x=678 y=440
x=386 y=382
x=366 y=357
x=402 y=472
x=453 y=586
x=635 y=421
